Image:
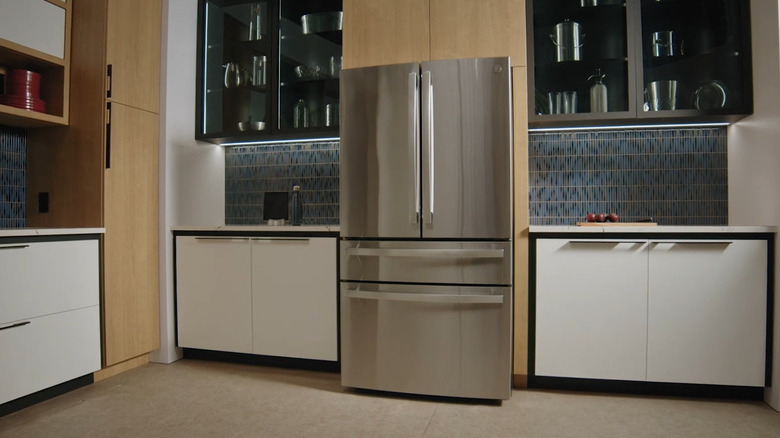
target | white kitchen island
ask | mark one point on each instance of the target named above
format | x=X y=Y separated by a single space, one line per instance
x=661 y=306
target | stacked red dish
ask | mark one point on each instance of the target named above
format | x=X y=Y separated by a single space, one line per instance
x=22 y=90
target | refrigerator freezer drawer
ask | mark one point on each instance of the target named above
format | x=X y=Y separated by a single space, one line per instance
x=434 y=340
x=488 y=263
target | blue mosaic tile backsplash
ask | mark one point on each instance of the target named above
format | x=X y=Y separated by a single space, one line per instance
x=676 y=176
x=13 y=158
x=250 y=171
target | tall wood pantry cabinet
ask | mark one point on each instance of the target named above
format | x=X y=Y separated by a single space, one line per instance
x=102 y=170
x=380 y=32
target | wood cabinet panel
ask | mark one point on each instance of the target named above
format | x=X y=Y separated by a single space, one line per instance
x=470 y=29
x=131 y=292
x=133 y=51
x=522 y=219
x=379 y=32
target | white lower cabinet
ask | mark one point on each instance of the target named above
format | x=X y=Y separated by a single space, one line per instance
x=294 y=292
x=49 y=314
x=585 y=291
x=707 y=310
x=274 y=296
x=677 y=311
x=214 y=293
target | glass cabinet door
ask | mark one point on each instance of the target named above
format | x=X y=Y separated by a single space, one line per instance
x=310 y=64
x=268 y=70
x=694 y=57
x=581 y=60
x=236 y=67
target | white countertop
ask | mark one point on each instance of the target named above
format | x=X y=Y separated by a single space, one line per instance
x=689 y=229
x=260 y=228
x=27 y=232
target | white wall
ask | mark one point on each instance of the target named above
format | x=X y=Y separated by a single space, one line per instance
x=192 y=173
x=754 y=152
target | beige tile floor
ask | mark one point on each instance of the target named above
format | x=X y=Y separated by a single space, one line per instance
x=211 y=399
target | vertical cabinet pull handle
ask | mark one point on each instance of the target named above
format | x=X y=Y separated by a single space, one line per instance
x=110 y=81
x=108 y=135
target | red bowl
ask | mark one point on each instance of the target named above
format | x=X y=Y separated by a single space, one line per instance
x=24 y=103
x=23 y=83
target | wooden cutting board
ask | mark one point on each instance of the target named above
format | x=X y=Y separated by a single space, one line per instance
x=616 y=224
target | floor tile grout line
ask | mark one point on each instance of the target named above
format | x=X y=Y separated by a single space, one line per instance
x=427 y=425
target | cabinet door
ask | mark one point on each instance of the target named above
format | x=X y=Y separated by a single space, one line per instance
x=294 y=297
x=469 y=29
x=707 y=312
x=591 y=308
x=695 y=58
x=41 y=278
x=213 y=293
x=380 y=32
x=37 y=24
x=49 y=350
x=574 y=44
x=131 y=290
x=133 y=52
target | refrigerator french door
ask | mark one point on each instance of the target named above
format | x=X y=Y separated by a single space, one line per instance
x=426 y=228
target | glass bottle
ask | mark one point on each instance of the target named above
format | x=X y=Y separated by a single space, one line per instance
x=300 y=114
x=297 y=206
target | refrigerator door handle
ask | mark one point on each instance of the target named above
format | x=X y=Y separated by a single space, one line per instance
x=414 y=144
x=428 y=136
x=435 y=253
x=425 y=298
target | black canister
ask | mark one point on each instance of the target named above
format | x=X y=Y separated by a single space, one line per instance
x=296 y=205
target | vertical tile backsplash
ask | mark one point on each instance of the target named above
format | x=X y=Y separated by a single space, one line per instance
x=677 y=176
x=250 y=171
x=13 y=158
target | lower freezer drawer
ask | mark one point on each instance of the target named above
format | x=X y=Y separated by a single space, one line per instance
x=435 y=340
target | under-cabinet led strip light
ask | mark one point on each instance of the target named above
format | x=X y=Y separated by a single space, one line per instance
x=265 y=142
x=604 y=128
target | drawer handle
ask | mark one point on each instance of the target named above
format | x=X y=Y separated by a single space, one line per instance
x=692 y=242
x=14 y=247
x=221 y=238
x=426 y=298
x=18 y=324
x=605 y=242
x=437 y=253
x=280 y=239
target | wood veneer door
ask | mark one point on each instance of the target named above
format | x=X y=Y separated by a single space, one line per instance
x=378 y=32
x=133 y=52
x=478 y=29
x=131 y=290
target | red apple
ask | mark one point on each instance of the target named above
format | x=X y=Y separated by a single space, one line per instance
x=601 y=217
x=612 y=217
x=590 y=217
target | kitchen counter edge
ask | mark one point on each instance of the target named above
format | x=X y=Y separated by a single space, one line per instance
x=32 y=232
x=676 y=229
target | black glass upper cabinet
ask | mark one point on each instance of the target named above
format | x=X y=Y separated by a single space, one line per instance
x=617 y=62
x=268 y=70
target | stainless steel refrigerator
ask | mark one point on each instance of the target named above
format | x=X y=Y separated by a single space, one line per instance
x=426 y=219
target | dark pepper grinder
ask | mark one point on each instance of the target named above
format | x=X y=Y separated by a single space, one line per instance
x=296 y=205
